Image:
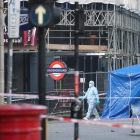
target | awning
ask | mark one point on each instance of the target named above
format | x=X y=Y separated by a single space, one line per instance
x=133 y=5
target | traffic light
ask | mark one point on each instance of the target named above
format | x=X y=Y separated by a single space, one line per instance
x=43 y=14
x=81 y=21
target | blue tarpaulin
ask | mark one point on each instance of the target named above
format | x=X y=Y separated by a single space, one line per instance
x=123 y=91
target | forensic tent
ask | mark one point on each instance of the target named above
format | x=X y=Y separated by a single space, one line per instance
x=123 y=91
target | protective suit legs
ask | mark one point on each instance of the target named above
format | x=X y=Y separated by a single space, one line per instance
x=95 y=113
x=92 y=109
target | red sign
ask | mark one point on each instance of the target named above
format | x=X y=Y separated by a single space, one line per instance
x=76 y=84
x=30 y=37
x=57 y=64
x=25 y=38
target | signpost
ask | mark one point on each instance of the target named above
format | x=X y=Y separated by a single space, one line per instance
x=24 y=21
x=57 y=70
x=76 y=76
x=13 y=18
x=13 y=32
x=79 y=28
x=42 y=14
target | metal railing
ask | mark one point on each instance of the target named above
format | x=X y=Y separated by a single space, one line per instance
x=126 y=19
x=65 y=87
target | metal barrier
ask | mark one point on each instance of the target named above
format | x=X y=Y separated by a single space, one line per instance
x=67 y=82
x=61 y=106
x=65 y=87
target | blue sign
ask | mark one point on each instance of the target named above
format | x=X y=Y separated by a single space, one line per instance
x=40 y=15
x=13 y=4
x=57 y=70
x=24 y=21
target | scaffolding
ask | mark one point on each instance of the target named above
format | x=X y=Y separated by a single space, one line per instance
x=123 y=33
x=120 y=26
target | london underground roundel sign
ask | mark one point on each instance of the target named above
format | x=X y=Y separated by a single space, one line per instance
x=57 y=70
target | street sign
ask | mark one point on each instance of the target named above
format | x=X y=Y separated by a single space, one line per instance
x=40 y=15
x=13 y=18
x=24 y=21
x=57 y=70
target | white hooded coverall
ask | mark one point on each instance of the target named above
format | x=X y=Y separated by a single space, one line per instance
x=92 y=96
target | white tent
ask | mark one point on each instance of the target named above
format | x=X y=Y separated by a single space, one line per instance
x=133 y=5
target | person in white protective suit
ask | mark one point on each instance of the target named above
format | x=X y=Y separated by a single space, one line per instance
x=92 y=99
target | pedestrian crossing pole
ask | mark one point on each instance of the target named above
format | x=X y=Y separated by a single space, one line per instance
x=43 y=15
x=76 y=107
x=41 y=74
x=76 y=76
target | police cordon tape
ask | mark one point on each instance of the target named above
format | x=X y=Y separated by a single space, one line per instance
x=93 y=122
x=60 y=97
x=101 y=120
x=36 y=96
x=55 y=98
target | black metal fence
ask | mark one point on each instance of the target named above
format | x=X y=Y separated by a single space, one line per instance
x=65 y=88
